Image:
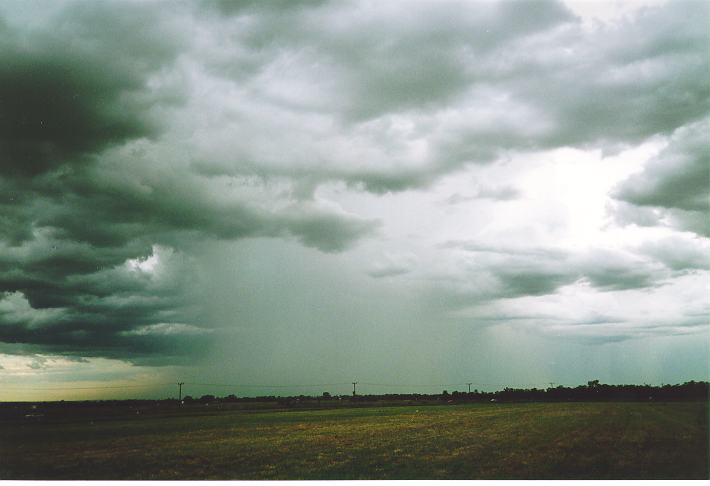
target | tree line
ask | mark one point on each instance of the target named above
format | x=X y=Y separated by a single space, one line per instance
x=592 y=391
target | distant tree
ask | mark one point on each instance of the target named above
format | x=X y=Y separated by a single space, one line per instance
x=326 y=396
x=207 y=398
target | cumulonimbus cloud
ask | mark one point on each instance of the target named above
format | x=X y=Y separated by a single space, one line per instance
x=131 y=131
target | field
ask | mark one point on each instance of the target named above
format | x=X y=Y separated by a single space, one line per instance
x=478 y=441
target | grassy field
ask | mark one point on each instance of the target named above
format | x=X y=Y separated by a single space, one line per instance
x=477 y=441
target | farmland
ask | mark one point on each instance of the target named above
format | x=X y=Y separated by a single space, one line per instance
x=580 y=440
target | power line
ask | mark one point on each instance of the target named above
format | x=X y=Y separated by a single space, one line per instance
x=431 y=385
x=232 y=385
x=410 y=385
x=399 y=385
x=85 y=387
x=243 y=385
x=250 y=385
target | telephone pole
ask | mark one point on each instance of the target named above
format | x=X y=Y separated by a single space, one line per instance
x=354 y=383
x=469 y=387
x=180 y=384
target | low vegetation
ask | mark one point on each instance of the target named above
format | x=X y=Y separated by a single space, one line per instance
x=581 y=440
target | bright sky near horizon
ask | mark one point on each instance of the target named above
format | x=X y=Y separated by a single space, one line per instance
x=313 y=192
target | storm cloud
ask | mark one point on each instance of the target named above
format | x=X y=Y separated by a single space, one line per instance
x=423 y=165
x=412 y=97
x=676 y=183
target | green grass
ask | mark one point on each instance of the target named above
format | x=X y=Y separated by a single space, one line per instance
x=480 y=441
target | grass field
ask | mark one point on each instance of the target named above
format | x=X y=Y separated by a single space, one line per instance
x=477 y=441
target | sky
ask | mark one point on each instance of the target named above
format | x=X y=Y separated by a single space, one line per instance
x=283 y=197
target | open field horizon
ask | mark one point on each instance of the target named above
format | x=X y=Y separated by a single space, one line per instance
x=190 y=392
x=577 y=440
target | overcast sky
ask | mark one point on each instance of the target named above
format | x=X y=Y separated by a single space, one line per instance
x=311 y=192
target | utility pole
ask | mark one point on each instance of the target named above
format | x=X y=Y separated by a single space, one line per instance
x=354 y=383
x=469 y=387
x=180 y=384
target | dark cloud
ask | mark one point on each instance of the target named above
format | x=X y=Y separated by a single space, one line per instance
x=380 y=182
x=678 y=178
x=89 y=193
x=38 y=96
x=680 y=254
x=627 y=82
x=390 y=271
x=490 y=272
x=508 y=249
x=494 y=193
x=392 y=265
x=387 y=59
x=624 y=213
x=498 y=193
x=100 y=314
x=477 y=82
x=70 y=91
x=234 y=7
x=518 y=282
x=79 y=246
x=674 y=185
x=325 y=230
x=359 y=67
x=605 y=275
x=420 y=60
x=570 y=87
